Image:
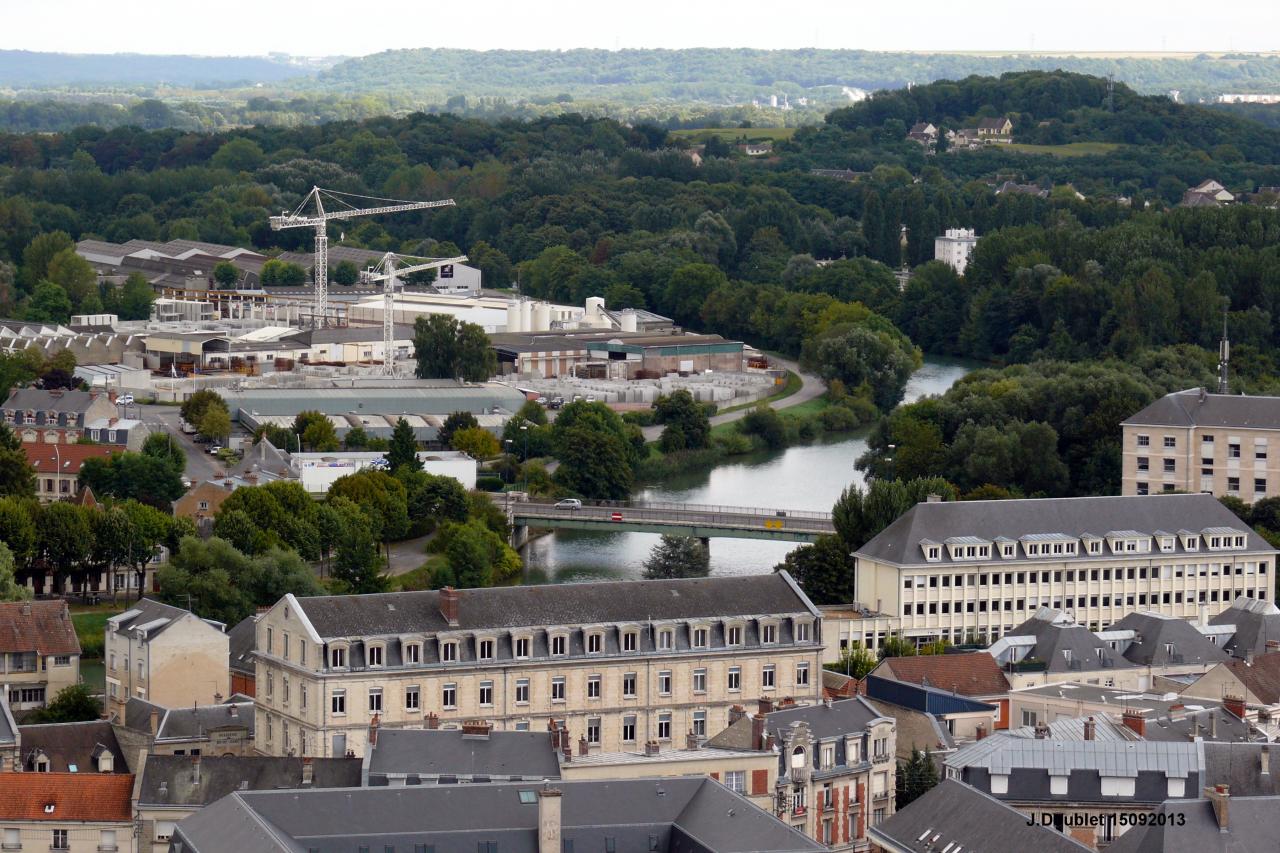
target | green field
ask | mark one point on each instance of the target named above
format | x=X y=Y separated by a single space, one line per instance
x=736 y=134
x=90 y=623
x=1071 y=149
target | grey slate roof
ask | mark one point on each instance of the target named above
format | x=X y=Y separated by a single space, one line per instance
x=845 y=717
x=147 y=613
x=556 y=604
x=188 y=723
x=241 y=642
x=964 y=818
x=1254 y=826
x=1239 y=765
x=1055 y=639
x=686 y=813
x=900 y=541
x=44 y=401
x=1000 y=754
x=915 y=729
x=1257 y=622
x=1192 y=408
x=437 y=752
x=67 y=744
x=170 y=780
x=1155 y=631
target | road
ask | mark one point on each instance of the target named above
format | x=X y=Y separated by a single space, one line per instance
x=811 y=388
x=200 y=465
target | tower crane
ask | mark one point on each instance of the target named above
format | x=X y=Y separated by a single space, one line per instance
x=320 y=219
x=387 y=271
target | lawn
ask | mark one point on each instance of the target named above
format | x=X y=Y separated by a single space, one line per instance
x=1071 y=149
x=94 y=674
x=90 y=623
x=734 y=134
x=791 y=386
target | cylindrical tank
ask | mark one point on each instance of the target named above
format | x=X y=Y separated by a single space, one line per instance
x=595 y=307
x=628 y=321
x=526 y=316
x=513 y=318
x=541 y=317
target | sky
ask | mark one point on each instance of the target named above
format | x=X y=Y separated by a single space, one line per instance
x=258 y=27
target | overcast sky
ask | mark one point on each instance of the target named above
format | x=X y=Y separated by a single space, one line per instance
x=256 y=27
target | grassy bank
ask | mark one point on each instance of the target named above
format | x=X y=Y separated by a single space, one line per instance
x=1070 y=149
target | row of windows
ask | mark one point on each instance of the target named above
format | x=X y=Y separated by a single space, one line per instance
x=921 y=608
x=449 y=691
x=1170 y=442
x=1080 y=575
x=59 y=839
x=1092 y=547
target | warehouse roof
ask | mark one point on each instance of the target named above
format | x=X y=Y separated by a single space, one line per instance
x=434 y=398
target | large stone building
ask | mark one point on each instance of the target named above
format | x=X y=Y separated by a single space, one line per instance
x=166 y=655
x=39 y=651
x=619 y=663
x=955 y=247
x=1194 y=441
x=978 y=568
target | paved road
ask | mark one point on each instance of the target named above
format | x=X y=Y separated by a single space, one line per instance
x=200 y=465
x=811 y=387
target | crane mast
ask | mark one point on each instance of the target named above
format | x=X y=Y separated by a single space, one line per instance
x=388 y=275
x=319 y=221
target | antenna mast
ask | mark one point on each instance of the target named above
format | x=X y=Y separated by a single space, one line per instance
x=1224 y=353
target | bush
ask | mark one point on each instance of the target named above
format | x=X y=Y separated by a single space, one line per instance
x=733 y=444
x=642 y=418
x=489 y=484
x=838 y=419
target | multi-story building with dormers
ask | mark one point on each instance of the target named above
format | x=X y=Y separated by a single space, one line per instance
x=619 y=664
x=979 y=568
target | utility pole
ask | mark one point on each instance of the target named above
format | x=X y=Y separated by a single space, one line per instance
x=1224 y=353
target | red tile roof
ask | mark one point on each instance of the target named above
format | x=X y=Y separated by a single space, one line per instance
x=1261 y=677
x=72 y=456
x=969 y=674
x=37 y=626
x=92 y=797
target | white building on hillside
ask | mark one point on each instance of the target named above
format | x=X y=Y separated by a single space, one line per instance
x=955 y=247
x=318 y=471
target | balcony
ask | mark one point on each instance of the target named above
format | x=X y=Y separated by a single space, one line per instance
x=881 y=758
x=799 y=811
x=880 y=797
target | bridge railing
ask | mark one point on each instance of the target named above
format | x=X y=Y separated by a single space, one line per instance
x=682 y=508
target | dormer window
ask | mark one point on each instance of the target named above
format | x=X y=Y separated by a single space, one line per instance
x=666 y=639
x=701 y=637
x=1007 y=550
x=595 y=643
x=412 y=652
x=803 y=631
x=375 y=655
x=934 y=553
x=484 y=649
x=733 y=635
x=449 y=651
x=630 y=640
x=768 y=634
x=337 y=657
x=559 y=645
x=521 y=647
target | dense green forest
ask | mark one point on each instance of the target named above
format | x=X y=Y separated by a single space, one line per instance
x=1098 y=276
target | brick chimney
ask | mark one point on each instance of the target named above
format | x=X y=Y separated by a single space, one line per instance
x=1219 y=796
x=1042 y=730
x=308 y=773
x=476 y=729
x=373 y=732
x=566 y=747
x=1090 y=729
x=549 y=820
x=691 y=740
x=1234 y=704
x=981 y=733
x=757 y=731
x=449 y=605
x=1086 y=835
x=1135 y=721
x=582 y=745
x=433 y=720
x=736 y=712
x=651 y=747
x=764 y=705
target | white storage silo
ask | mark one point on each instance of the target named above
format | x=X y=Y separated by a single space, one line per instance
x=541 y=317
x=526 y=316
x=628 y=320
x=513 y=318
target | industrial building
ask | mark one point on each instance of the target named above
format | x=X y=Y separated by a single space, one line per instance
x=318 y=471
x=614 y=355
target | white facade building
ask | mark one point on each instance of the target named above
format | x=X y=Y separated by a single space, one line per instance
x=955 y=247
x=458 y=279
x=318 y=471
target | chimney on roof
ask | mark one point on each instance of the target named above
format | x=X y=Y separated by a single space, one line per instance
x=195 y=769
x=1264 y=759
x=651 y=747
x=308 y=773
x=449 y=605
x=549 y=820
x=433 y=720
x=566 y=746
x=690 y=740
x=233 y=710
x=155 y=721
x=582 y=745
x=757 y=731
x=1213 y=725
x=1090 y=729
x=1219 y=796
x=981 y=731
x=764 y=705
x=373 y=732
x=476 y=729
x=736 y=712
x=1135 y=721
x=933 y=498
x=1234 y=704
x=1042 y=730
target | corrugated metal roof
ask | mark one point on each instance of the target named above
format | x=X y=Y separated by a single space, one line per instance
x=1001 y=754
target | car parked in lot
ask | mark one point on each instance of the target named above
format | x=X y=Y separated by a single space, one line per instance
x=541 y=401
x=557 y=402
x=214 y=448
x=569 y=503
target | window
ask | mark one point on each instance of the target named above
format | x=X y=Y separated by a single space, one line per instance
x=666 y=639
x=733 y=635
x=629 y=685
x=768 y=677
x=735 y=678
x=630 y=640
x=802 y=632
x=1170 y=441
x=593 y=731
x=595 y=642
x=664 y=726
x=413 y=698
x=664 y=683
x=284 y=645
x=1028 y=717
x=271 y=684
x=768 y=634
x=449 y=696
x=302 y=696
x=802 y=674
x=375 y=700
x=1144 y=441
x=284 y=684
x=1233 y=450
x=270 y=640
x=522 y=691
x=1169 y=466
x=337 y=657
x=557 y=688
x=629 y=729
x=522 y=647
x=338 y=703
x=1259 y=451
x=736 y=781
x=449 y=652
x=412 y=653
x=1144 y=464
x=700 y=636
x=484 y=650
x=700 y=723
x=1233 y=484
x=699 y=681
x=62 y=660
x=486 y=693
x=559 y=644
x=60 y=841
x=1260 y=485
x=302 y=652
x=375 y=655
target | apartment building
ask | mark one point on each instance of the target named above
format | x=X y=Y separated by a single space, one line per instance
x=166 y=655
x=39 y=651
x=955 y=569
x=618 y=664
x=57 y=416
x=955 y=247
x=66 y=812
x=1195 y=441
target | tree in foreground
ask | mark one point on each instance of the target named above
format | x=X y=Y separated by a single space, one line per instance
x=854 y=662
x=916 y=776
x=73 y=704
x=10 y=589
x=824 y=570
x=446 y=348
x=678 y=557
x=403 y=451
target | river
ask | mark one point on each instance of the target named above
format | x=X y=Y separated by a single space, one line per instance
x=809 y=476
